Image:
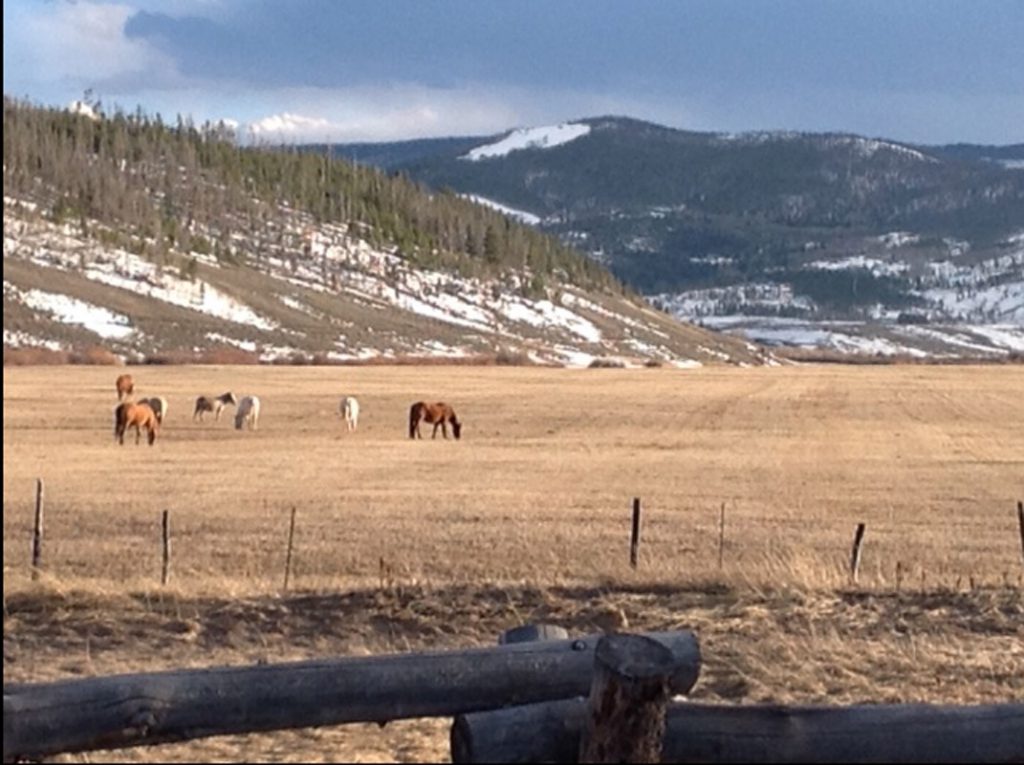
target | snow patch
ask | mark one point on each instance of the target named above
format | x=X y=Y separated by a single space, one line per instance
x=16 y=339
x=529 y=138
x=526 y=217
x=68 y=310
x=245 y=345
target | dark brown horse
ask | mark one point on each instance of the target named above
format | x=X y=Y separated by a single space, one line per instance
x=138 y=416
x=438 y=414
x=125 y=387
x=216 y=405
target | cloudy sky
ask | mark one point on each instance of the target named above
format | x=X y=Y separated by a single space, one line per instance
x=928 y=71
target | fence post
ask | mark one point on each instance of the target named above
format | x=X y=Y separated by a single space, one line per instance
x=528 y=633
x=165 y=572
x=1020 y=522
x=37 y=532
x=634 y=541
x=721 y=535
x=288 y=559
x=629 y=696
x=858 y=539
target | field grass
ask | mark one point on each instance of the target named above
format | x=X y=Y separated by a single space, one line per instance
x=405 y=544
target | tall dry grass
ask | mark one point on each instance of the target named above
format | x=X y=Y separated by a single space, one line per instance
x=539 y=489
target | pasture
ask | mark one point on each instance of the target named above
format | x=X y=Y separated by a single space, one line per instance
x=405 y=543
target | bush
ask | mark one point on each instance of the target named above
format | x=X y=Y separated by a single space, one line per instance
x=95 y=355
x=33 y=356
x=607 y=364
x=507 y=358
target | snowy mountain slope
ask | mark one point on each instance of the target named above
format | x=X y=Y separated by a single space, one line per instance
x=339 y=297
x=544 y=137
x=767 y=225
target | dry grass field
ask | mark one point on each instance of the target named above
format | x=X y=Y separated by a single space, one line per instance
x=411 y=544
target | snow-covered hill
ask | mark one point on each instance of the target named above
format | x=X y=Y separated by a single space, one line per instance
x=968 y=304
x=336 y=296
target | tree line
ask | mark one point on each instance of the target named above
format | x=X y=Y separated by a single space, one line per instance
x=191 y=188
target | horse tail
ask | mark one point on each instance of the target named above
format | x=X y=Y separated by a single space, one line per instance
x=120 y=419
x=414 y=418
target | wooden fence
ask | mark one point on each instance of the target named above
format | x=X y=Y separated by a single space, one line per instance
x=529 y=699
x=37 y=564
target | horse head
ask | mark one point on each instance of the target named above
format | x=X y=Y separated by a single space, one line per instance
x=456 y=428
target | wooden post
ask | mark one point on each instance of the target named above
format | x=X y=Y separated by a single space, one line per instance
x=1020 y=522
x=288 y=560
x=529 y=633
x=37 y=532
x=634 y=540
x=165 y=572
x=628 y=698
x=858 y=539
x=129 y=710
x=725 y=733
x=721 y=535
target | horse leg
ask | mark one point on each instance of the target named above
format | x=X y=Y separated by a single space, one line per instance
x=444 y=430
x=138 y=433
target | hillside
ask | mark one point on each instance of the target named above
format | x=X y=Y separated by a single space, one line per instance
x=156 y=240
x=791 y=227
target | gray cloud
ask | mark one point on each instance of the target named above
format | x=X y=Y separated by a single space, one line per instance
x=906 y=69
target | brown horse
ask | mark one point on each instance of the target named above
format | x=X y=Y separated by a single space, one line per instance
x=125 y=387
x=216 y=405
x=438 y=414
x=138 y=416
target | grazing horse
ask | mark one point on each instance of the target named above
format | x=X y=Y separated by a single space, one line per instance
x=349 y=409
x=125 y=387
x=159 y=406
x=206 y=404
x=138 y=416
x=248 y=412
x=438 y=414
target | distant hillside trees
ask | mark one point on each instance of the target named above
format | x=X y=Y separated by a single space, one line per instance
x=192 y=187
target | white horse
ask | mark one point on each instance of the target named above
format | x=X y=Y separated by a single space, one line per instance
x=349 y=409
x=248 y=413
x=159 y=406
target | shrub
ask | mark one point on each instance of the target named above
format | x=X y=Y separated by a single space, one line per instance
x=33 y=356
x=509 y=358
x=95 y=355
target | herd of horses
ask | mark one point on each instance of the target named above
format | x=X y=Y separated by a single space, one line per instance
x=149 y=413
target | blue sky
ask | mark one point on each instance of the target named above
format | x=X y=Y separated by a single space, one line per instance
x=928 y=71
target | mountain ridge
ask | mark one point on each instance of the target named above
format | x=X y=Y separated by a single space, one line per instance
x=851 y=228
x=150 y=239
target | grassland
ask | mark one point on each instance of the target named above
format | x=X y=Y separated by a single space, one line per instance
x=404 y=544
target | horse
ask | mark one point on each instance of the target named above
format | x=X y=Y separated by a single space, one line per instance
x=438 y=414
x=248 y=412
x=138 y=416
x=349 y=409
x=216 y=405
x=125 y=386
x=159 y=406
